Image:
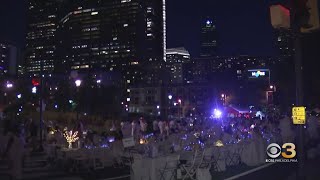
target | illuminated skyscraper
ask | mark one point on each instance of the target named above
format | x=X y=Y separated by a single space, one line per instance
x=8 y=59
x=177 y=58
x=208 y=38
x=41 y=35
x=87 y=35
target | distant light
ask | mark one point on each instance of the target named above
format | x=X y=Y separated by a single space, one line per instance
x=208 y=22
x=217 y=113
x=70 y=101
x=19 y=96
x=78 y=82
x=179 y=100
x=128 y=99
x=271 y=87
x=170 y=97
x=175 y=104
x=34 y=90
x=56 y=106
x=98 y=81
x=158 y=107
x=9 y=85
x=222 y=95
x=85 y=114
x=122 y=103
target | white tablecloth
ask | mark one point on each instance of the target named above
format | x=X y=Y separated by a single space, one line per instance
x=148 y=168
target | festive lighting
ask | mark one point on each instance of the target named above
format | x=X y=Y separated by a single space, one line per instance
x=71 y=137
x=219 y=143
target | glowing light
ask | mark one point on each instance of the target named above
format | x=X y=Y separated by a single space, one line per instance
x=78 y=82
x=170 y=97
x=98 y=81
x=179 y=100
x=217 y=113
x=9 y=85
x=19 y=96
x=34 y=90
x=222 y=95
x=271 y=87
x=219 y=143
x=71 y=137
x=70 y=101
x=158 y=107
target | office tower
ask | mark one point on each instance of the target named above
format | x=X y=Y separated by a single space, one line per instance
x=41 y=36
x=176 y=60
x=111 y=35
x=91 y=35
x=8 y=59
x=285 y=43
x=208 y=38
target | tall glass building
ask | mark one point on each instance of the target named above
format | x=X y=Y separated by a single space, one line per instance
x=86 y=35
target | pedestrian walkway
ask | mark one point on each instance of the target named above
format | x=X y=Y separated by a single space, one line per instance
x=36 y=167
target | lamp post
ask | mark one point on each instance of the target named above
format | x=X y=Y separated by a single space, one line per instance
x=180 y=109
x=78 y=83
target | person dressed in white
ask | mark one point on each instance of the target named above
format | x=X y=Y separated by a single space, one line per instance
x=155 y=126
x=172 y=125
x=143 y=125
x=161 y=126
x=14 y=152
x=133 y=128
x=287 y=133
x=166 y=128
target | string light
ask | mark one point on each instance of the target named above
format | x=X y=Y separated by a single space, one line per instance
x=71 y=137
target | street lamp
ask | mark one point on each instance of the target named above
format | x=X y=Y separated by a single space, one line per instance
x=78 y=84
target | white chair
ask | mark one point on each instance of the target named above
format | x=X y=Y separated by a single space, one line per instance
x=190 y=169
x=218 y=159
x=171 y=167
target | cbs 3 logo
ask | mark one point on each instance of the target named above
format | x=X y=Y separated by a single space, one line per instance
x=274 y=150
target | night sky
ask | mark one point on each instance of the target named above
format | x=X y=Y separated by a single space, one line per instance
x=243 y=26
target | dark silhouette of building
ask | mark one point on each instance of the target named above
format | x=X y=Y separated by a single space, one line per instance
x=8 y=59
x=208 y=38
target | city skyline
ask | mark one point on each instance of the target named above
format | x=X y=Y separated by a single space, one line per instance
x=255 y=29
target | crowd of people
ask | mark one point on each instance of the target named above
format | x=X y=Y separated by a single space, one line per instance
x=16 y=138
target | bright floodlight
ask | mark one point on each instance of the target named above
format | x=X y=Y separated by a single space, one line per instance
x=170 y=97
x=217 y=113
x=78 y=82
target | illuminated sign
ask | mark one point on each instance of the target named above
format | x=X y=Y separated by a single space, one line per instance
x=259 y=73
